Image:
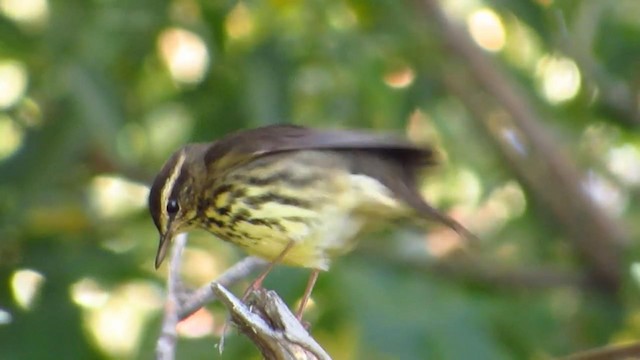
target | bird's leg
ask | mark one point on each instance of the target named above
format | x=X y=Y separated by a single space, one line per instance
x=307 y=293
x=257 y=283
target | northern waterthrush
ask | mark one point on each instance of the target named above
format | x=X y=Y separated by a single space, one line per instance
x=291 y=194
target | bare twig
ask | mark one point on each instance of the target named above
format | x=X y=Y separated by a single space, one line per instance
x=626 y=351
x=282 y=328
x=269 y=323
x=205 y=295
x=166 y=345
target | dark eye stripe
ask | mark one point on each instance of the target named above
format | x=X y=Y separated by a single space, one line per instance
x=178 y=186
x=163 y=188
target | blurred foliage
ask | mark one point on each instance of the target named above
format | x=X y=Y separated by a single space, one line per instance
x=95 y=95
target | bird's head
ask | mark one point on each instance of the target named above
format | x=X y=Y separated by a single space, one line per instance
x=173 y=198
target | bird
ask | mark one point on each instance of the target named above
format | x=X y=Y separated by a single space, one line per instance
x=292 y=195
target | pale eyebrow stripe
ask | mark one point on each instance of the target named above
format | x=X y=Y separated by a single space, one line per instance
x=166 y=189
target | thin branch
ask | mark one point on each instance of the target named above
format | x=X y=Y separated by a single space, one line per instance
x=476 y=272
x=626 y=351
x=166 y=345
x=269 y=323
x=205 y=295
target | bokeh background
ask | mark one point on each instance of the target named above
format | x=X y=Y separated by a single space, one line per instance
x=533 y=104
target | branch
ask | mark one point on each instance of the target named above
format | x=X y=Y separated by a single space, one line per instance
x=205 y=294
x=269 y=323
x=475 y=272
x=544 y=168
x=180 y=304
x=627 y=351
x=166 y=345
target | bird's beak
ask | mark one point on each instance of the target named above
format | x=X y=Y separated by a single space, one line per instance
x=165 y=242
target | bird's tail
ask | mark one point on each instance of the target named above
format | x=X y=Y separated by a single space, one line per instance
x=429 y=212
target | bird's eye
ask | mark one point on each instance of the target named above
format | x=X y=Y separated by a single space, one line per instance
x=172 y=207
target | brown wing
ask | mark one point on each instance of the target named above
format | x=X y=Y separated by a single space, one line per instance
x=248 y=144
x=392 y=161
